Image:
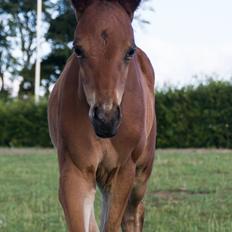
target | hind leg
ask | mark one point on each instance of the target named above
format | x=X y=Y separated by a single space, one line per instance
x=134 y=215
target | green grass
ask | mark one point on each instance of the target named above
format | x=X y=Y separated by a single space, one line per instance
x=188 y=191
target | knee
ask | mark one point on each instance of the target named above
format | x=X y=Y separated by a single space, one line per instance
x=137 y=195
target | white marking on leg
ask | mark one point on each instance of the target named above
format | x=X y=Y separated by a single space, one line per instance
x=88 y=206
x=93 y=225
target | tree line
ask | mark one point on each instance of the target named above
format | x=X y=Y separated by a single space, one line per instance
x=199 y=117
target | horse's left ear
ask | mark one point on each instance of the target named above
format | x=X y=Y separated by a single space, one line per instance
x=130 y=6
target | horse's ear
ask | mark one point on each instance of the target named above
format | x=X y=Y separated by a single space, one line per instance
x=130 y=6
x=80 y=5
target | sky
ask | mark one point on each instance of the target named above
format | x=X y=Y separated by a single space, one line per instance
x=187 y=38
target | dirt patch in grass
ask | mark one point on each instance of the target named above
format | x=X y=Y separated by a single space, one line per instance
x=177 y=194
x=26 y=151
x=160 y=198
x=188 y=151
x=170 y=192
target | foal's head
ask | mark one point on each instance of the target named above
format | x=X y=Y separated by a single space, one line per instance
x=104 y=46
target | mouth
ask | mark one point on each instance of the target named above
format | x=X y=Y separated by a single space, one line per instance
x=104 y=131
x=105 y=134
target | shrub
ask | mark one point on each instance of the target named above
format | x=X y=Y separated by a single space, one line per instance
x=23 y=124
x=195 y=117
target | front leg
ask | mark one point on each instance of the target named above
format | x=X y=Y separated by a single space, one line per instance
x=116 y=198
x=76 y=194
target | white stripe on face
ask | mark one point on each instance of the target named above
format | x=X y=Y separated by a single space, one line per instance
x=119 y=94
x=90 y=97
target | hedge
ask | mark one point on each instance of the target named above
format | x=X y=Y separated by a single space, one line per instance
x=189 y=117
x=23 y=124
x=195 y=117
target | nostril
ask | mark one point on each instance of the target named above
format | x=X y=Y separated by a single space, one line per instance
x=95 y=113
x=98 y=114
x=119 y=115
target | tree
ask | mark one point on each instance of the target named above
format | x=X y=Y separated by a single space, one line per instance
x=60 y=34
x=18 y=35
x=6 y=58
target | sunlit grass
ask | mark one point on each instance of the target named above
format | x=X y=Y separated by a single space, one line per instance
x=188 y=191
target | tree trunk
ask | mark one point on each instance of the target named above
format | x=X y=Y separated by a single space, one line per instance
x=2 y=82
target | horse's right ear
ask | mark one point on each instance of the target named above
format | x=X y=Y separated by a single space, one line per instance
x=80 y=6
x=130 y=6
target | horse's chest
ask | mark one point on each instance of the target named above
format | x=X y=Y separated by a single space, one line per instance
x=111 y=160
x=105 y=176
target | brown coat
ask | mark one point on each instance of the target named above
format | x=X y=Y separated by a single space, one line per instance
x=119 y=165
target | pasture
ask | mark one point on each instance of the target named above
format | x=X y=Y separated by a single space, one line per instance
x=189 y=191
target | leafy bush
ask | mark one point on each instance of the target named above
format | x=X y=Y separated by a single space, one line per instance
x=189 y=117
x=23 y=124
x=195 y=117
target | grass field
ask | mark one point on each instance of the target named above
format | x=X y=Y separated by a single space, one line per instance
x=189 y=191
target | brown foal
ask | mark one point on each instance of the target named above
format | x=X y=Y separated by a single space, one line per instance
x=102 y=120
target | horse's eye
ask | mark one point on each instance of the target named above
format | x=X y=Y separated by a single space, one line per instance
x=79 y=52
x=130 y=53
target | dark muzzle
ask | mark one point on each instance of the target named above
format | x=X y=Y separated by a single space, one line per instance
x=105 y=123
